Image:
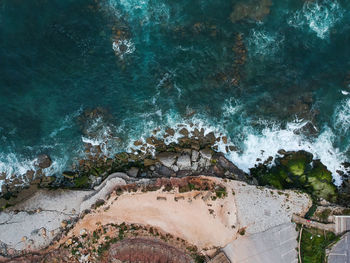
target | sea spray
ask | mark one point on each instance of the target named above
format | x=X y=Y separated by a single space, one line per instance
x=319 y=16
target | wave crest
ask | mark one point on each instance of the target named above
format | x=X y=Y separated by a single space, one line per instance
x=319 y=16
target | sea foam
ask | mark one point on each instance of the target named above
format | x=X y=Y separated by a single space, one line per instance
x=319 y=16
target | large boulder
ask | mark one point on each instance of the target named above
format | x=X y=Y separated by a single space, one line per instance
x=167 y=158
x=43 y=161
x=184 y=162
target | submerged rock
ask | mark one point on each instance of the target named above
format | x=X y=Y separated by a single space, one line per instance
x=252 y=9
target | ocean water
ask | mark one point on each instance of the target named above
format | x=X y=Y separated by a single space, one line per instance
x=154 y=63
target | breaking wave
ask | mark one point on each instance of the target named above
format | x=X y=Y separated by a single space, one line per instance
x=263 y=43
x=319 y=16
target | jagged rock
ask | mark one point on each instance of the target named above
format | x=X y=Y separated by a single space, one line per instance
x=203 y=163
x=46 y=181
x=164 y=171
x=194 y=166
x=226 y=164
x=68 y=174
x=148 y=162
x=252 y=9
x=138 y=143
x=170 y=131
x=2 y=176
x=30 y=175
x=206 y=153
x=184 y=162
x=195 y=155
x=133 y=171
x=184 y=132
x=175 y=168
x=167 y=158
x=43 y=161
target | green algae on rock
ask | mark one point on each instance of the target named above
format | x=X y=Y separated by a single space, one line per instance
x=298 y=170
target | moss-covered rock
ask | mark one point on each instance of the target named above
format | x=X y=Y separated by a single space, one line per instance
x=298 y=170
x=82 y=182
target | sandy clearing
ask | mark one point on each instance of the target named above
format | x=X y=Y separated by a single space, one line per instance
x=189 y=218
x=201 y=221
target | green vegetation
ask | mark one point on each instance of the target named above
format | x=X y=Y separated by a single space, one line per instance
x=82 y=182
x=298 y=170
x=324 y=214
x=220 y=191
x=314 y=243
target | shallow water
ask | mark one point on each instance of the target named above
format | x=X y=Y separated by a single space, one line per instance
x=172 y=62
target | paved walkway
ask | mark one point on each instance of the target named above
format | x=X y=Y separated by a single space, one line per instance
x=342 y=224
x=276 y=245
x=310 y=223
x=340 y=252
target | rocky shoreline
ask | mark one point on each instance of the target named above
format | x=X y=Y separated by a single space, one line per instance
x=48 y=208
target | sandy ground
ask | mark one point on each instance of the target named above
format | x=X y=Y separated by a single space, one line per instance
x=202 y=221
x=193 y=216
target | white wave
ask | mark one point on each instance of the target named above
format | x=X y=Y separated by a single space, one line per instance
x=342 y=116
x=11 y=164
x=319 y=16
x=344 y=92
x=123 y=47
x=270 y=140
x=67 y=123
x=231 y=107
x=264 y=43
x=257 y=144
x=141 y=11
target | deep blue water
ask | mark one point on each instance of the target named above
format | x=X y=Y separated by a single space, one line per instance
x=172 y=62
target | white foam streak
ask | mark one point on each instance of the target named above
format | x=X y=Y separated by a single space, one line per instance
x=273 y=139
x=342 y=116
x=318 y=16
x=264 y=43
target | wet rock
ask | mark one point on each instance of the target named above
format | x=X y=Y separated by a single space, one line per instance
x=224 y=139
x=133 y=171
x=251 y=9
x=170 y=131
x=198 y=133
x=30 y=175
x=3 y=176
x=148 y=162
x=184 y=162
x=226 y=164
x=46 y=181
x=43 y=161
x=138 y=143
x=206 y=153
x=167 y=158
x=209 y=139
x=69 y=174
x=308 y=129
x=184 y=132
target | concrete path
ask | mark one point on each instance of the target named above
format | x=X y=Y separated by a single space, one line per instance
x=276 y=245
x=32 y=224
x=340 y=252
x=342 y=224
x=309 y=223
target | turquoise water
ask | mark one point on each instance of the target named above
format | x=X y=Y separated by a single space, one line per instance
x=172 y=63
